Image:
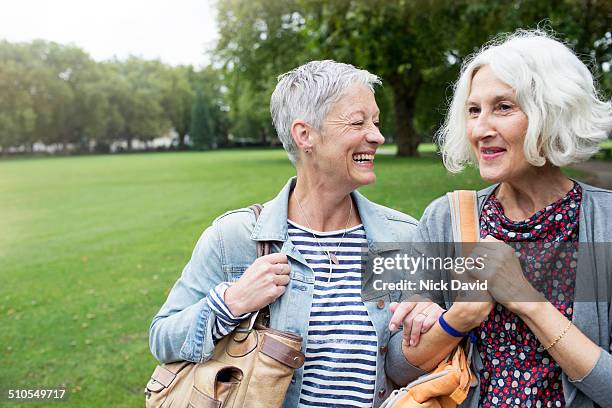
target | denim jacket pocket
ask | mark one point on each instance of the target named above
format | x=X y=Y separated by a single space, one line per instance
x=234 y=272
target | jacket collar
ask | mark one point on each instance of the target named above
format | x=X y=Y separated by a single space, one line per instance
x=272 y=222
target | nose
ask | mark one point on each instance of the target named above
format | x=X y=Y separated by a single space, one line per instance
x=374 y=136
x=482 y=126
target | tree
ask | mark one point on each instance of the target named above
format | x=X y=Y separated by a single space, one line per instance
x=17 y=114
x=259 y=40
x=201 y=129
x=416 y=46
x=136 y=94
x=178 y=98
x=211 y=79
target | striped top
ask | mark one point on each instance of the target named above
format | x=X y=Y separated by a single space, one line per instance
x=340 y=365
x=225 y=321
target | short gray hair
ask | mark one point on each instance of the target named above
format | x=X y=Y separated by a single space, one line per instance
x=308 y=92
x=567 y=118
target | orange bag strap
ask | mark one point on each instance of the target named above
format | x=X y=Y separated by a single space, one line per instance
x=466 y=229
x=464 y=213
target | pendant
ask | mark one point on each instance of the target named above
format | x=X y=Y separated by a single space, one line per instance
x=333 y=258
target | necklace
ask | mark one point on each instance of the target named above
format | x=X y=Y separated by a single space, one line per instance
x=331 y=256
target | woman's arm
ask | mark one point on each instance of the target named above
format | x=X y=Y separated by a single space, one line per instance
x=188 y=326
x=572 y=350
x=436 y=344
x=584 y=362
x=182 y=329
x=424 y=349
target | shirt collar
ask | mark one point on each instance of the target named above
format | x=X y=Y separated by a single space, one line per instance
x=272 y=222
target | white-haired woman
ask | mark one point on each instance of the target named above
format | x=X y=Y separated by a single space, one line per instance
x=326 y=116
x=524 y=107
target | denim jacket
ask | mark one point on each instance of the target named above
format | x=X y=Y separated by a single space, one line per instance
x=182 y=329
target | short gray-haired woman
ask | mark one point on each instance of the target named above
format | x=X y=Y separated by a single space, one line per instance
x=327 y=119
x=523 y=107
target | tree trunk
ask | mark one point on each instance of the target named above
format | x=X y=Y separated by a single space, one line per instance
x=181 y=141
x=129 y=144
x=404 y=105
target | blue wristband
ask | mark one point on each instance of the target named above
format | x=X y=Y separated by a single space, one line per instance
x=453 y=332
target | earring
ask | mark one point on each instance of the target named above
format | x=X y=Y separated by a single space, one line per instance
x=307 y=150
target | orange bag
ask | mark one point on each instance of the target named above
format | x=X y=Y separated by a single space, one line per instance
x=446 y=387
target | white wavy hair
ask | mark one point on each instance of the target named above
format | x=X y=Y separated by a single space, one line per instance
x=308 y=92
x=567 y=118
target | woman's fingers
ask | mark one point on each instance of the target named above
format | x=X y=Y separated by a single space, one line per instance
x=433 y=314
x=280 y=269
x=414 y=321
x=281 y=280
x=274 y=258
x=400 y=310
x=416 y=317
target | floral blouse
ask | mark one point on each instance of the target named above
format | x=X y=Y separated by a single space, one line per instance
x=517 y=369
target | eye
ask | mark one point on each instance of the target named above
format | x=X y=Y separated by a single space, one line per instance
x=505 y=107
x=473 y=110
x=358 y=123
x=377 y=124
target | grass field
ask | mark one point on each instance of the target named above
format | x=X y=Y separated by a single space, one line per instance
x=89 y=247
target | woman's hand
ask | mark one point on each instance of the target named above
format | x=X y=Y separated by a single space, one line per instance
x=417 y=315
x=503 y=273
x=261 y=284
x=465 y=315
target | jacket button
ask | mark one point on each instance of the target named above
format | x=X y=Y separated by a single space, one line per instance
x=293 y=380
x=383 y=349
x=381 y=392
x=380 y=304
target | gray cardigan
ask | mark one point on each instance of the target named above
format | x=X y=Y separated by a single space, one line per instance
x=594 y=319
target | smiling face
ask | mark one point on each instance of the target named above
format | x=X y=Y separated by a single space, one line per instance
x=496 y=128
x=345 y=146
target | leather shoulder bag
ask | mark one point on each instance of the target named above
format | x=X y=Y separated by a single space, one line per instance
x=250 y=367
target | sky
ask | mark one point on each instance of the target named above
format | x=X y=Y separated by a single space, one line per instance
x=175 y=31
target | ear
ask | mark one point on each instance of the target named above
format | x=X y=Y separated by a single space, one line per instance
x=301 y=133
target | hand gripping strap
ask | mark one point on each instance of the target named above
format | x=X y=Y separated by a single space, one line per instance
x=263 y=248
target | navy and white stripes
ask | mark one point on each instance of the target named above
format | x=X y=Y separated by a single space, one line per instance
x=340 y=366
x=341 y=344
x=225 y=321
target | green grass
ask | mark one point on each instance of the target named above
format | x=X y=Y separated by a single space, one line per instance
x=425 y=149
x=89 y=247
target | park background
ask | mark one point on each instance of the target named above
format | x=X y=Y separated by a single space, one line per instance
x=111 y=168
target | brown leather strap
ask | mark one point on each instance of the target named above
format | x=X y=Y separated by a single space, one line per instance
x=200 y=400
x=163 y=376
x=263 y=247
x=282 y=352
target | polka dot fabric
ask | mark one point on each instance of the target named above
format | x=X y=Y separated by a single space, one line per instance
x=517 y=370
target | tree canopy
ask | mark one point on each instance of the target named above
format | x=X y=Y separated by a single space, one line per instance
x=416 y=46
x=57 y=95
